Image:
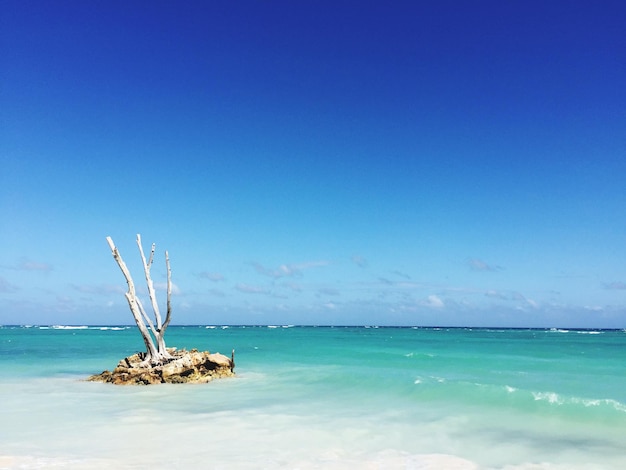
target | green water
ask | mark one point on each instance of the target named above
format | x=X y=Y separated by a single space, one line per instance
x=323 y=397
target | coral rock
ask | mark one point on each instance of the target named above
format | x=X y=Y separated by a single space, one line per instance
x=184 y=367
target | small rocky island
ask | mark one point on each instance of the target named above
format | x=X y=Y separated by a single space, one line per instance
x=160 y=364
x=184 y=367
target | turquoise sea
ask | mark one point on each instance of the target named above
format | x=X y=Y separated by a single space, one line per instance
x=320 y=397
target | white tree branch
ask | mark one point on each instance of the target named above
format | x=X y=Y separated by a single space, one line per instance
x=145 y=316
x=159 y=353
x=151 y=255
x=151 y=292
x=168 y=315
x=131 y=297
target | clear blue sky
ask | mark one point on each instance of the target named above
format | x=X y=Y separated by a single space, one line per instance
x=316 y=162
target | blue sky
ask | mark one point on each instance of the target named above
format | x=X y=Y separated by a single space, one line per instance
x=314 y=162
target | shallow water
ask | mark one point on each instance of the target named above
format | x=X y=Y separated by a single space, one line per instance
x=307 y=397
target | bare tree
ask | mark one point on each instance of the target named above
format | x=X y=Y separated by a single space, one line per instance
x=153 y=332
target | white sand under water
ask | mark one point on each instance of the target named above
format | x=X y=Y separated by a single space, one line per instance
x=66 y=423
x=307 y=398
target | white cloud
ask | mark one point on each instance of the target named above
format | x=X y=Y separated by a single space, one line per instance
x=6 y=286
x=163 y=286
x=29 y=265
x=615 y=285
x=359 y=261
x=328 y=291
x=434 y=302
x=476 y=264
x=494 y=294
x=505 y=295
x=293 y=286
x=26 y=264
x=217 y=292
x=64 y=304
x=103 y=289
x=248 y=289
x=287 y=270
x=594 y=308
x=215 y=277
x=401 y=274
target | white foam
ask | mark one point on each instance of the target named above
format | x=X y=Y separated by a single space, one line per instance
x=599 y=402
x=27 y=462
x=543 y=466
x=550 y=397
x=70 y=327
x=556 y=399
x=332 y=459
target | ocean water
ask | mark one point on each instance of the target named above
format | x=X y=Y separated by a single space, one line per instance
x=320 y=397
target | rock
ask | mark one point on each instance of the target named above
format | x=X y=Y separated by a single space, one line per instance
x=185 y=367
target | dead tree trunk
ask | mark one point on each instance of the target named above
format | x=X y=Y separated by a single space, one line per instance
x=153 y=332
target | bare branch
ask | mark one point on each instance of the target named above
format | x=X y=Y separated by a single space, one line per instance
x=131 y=297
x=151 y=292
x=168 y=315
x=145 y=316
x=151 y=255
x=154 y=330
